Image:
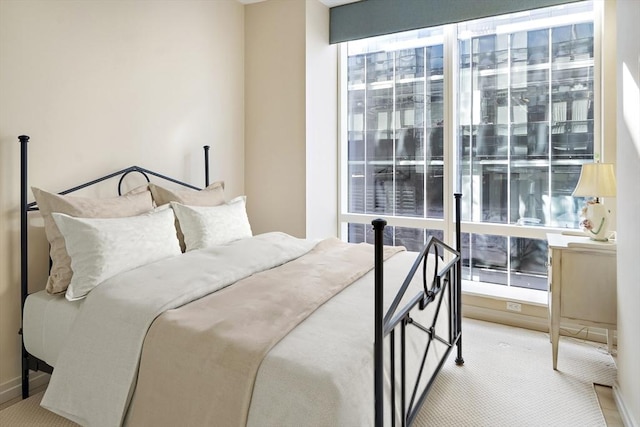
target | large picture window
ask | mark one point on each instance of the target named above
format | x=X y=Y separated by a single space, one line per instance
x=501 y=109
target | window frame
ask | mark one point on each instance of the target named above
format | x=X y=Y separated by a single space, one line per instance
x=451 y=79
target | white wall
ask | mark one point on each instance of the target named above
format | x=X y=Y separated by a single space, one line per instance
x=291 y=120
x=322 y=124
x=627 y=390
x=100 y=85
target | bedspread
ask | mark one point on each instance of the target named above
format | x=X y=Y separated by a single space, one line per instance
x=199 y=361
x=321 y=373
x=95 y=373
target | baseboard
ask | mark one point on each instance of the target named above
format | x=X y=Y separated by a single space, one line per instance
x=625 y=414
x=533 y=322
x=13 y=388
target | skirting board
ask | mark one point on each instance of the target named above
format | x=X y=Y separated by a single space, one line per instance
x=625 y=414
x=13 y=388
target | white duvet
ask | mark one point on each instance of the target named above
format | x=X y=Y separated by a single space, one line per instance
x=320 y=374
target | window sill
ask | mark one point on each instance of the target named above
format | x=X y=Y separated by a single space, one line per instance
x=505 y=293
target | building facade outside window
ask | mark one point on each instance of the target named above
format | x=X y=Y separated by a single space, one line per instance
x=501 y=109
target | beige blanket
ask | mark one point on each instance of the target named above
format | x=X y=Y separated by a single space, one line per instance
x=199 y=362
x=95 y=373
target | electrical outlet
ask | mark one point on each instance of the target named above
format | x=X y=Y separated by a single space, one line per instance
x=514 y=306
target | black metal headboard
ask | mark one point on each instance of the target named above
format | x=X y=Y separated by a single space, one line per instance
x=29 y=361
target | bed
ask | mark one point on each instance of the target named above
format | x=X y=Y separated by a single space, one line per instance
x=191 y=329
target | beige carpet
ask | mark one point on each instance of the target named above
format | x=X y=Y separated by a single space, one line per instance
x=507 y=380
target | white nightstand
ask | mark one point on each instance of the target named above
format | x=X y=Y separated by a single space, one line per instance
x=582 y=285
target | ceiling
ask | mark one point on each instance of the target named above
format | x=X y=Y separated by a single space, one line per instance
x=329 y=3
x=332 y=3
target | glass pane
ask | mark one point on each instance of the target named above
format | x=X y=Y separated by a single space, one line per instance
x=528 y=263
x=356 y=69
x=572 y=92
x=358 y=233
x=379 y=67
x=485 y=186
x=494 y=192
x=409 y=191
x=409 y=143
x=357 y=188
x=435 y=195
x=409 y=63
x=485 y=258
x=395 y=99
x=434 y=128
x=537 y=47
x=529 y=195
x=525 y=109
x=356 y=125
x=413 y=239
x=565 y=209
x=380 y=191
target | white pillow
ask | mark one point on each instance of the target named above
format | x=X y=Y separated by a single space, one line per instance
x=213 y=225
x=100 y=248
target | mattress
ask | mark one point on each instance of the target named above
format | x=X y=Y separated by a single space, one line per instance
x=47 y=321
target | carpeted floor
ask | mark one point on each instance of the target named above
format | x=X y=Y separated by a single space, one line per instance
x=507 y=380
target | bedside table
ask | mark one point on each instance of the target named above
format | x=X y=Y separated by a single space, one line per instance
x=582 y=285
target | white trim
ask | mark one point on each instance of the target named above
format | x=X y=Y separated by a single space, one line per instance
x=343 y=167
x=13 y=388
x=449 y=149
x=598 y=83
x=623 y=409
x=543 y=23
x=505 y=293
x=523 y=231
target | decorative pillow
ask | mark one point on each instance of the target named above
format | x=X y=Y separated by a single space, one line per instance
x=212 y=195
x=100 y=248
x=132 y=203
x=209 y=226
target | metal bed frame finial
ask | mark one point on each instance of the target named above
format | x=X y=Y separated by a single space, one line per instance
x=206 y=165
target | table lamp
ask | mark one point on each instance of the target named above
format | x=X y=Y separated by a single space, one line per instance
x=596 y=180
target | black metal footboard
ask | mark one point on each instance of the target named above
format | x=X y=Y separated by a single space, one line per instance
x=405 y=403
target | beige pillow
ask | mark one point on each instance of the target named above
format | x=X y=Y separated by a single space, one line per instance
x=212 y=195
x=133 y=203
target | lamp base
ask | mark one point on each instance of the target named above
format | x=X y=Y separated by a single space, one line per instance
x=596 y=221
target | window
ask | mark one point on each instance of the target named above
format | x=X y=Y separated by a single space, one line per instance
x=500 y=108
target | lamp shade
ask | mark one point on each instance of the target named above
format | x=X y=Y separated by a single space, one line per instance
x=596 y=180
